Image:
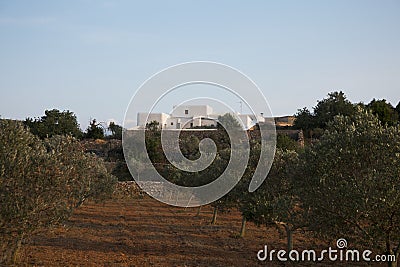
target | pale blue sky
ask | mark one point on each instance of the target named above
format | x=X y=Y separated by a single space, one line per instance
x=91 y=56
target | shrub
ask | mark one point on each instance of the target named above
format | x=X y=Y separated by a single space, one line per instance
x=41 y=182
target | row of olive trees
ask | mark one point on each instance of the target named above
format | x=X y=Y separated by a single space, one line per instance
x=41 y=182
x=346 y=185
x=189 y=145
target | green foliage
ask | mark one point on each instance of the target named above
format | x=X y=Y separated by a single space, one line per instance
x=398 y=109
x=190 y=147
x=230 y=200
x=41 y=182
x=350 y=181
x=284 y=142
x=121 y=171
x=86 y=173
x=324 y=112
x=94 y=130
x=275 y=202
x=153 y=126
x=386 y=113
x=304 y=119
x=153 y=142
x=328 y=108
x=228 y=121
x=54 y=122
x=116 y=131
x=205 y=176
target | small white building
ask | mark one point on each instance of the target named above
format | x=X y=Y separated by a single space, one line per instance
x=161 y=118
x=191 y=111
x=189 y=116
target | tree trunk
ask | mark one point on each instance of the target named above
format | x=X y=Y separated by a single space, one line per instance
x=214 y=218
x=80 y=202
x=17 y=250
x=394 y=252
x=198 y=211
x=243 y=229
x=392 y=263
x=397 y=254
x=289 y=235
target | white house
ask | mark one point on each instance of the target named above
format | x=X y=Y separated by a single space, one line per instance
x=191 y=111
x=161 y=118
x=189 y=116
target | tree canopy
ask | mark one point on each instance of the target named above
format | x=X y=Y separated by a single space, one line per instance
x=41 y=182
x=228 y=121
x=116 y=130
x=94 y=130
x=275 y=202
x=350 y=181
x=54 y=122
x=314 y=123
x=326 y=109
x=386 y=113
x=398 y=109
x=335 y=104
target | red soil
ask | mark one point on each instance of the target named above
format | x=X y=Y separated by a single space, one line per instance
x=145 y=232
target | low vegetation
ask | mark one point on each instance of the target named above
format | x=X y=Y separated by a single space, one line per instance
x=41 y=183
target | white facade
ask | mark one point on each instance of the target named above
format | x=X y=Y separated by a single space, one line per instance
x=192 y=111
x=161 y=118
x=183 y=117
x=247 y=122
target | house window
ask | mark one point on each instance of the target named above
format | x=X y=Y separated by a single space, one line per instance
x=172 y=123
x=186 y=111
x=191 y=125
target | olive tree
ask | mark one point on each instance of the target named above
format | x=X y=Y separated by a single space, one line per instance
x=275 y=201
x=84 y=174
x=41 y=182
x=350 y=181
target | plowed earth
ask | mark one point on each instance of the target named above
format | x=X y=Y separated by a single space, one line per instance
x=145 y=232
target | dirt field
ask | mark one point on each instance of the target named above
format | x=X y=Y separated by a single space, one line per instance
x=145 y=232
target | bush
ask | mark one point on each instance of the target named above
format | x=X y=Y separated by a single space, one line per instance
x=350 y=181
x=41 y=182
x=54 y=122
